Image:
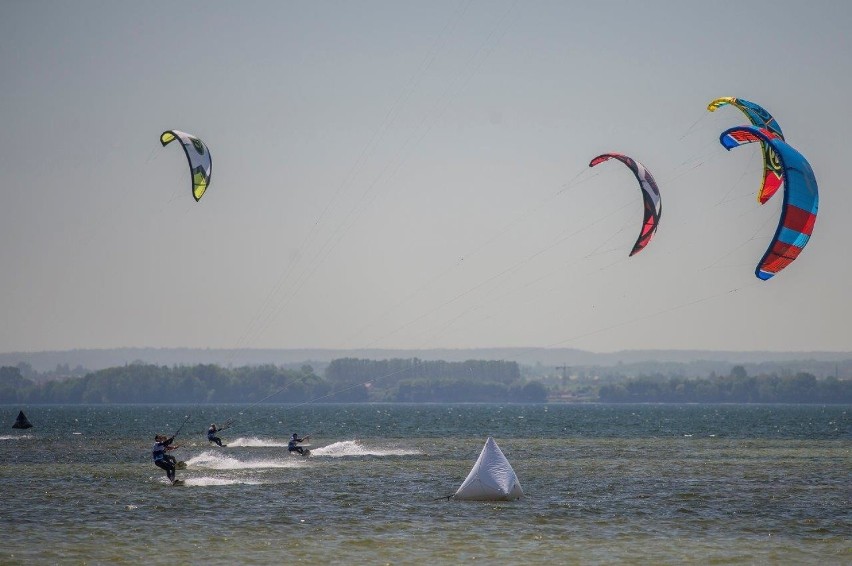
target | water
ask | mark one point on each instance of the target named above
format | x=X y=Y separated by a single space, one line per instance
x=604 y=484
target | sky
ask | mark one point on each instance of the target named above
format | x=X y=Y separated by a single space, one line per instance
x=415 y=174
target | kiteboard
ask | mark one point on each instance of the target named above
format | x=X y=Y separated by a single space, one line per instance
x=179 y=482
x=305 y=453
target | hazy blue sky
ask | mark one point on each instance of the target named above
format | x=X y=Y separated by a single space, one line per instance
x=414 y=174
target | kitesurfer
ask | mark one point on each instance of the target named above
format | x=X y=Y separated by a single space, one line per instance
x=293 y=445
x=211 y=434
x=163 y=460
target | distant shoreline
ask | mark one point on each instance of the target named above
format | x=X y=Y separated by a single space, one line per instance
x=95 y=359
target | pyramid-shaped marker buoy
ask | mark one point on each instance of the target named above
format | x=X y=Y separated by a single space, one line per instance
x=22 y=421
x=491 y=479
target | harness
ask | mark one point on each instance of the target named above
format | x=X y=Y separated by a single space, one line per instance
x=159 y=452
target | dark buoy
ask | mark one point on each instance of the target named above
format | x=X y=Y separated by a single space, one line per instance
x=22 y=422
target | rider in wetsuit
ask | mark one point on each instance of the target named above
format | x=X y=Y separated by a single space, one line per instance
x=211 y=434
x=293 y=446
x=163 y=460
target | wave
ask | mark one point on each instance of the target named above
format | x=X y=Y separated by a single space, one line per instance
x=218 y=461
x=22 y=437
x=205 y=481
x=255 y=442
x=355 y=448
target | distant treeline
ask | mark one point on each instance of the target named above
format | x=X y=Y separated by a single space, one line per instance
x=352 y=380
x=735 y=388
x=419 y=381
x=345 y=381
x=145 y=383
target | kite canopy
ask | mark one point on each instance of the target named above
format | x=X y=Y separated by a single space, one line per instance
x=759 y=118
x=200 y=162
x=801 y=198
x=491 y=479
x=650 y=197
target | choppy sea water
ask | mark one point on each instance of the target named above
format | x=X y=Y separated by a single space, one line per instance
x=604 y=484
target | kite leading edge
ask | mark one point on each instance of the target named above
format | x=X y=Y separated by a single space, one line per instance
x=801 y=198
x=200 y=162
x=759 y=118
x=653 y=206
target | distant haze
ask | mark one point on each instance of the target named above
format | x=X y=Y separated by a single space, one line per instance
x=413 y=177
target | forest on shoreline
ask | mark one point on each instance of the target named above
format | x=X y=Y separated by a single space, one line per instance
x=353 y=380
x=344 y=381
x=799 y=388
